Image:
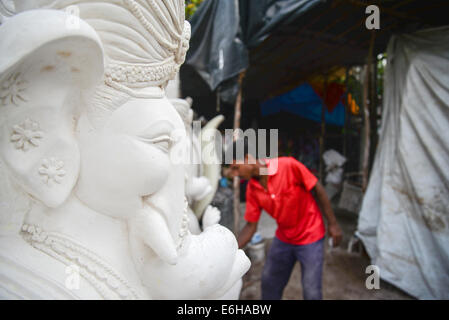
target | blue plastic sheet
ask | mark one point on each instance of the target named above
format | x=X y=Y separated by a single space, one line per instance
x=303 y=101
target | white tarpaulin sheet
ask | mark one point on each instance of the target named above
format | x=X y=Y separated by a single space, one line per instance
x=404 y=220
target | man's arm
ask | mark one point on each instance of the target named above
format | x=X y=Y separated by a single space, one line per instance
x=246 y=234
x=325 y=204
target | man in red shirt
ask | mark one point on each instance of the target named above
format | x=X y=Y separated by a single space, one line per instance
x=283 y=188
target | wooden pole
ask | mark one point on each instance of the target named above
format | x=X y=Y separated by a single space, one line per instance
x=373 y=113
x=323 y=130
x=366 y=129
x=218 y=100
x=366 y=115
x=236 y=181
x=346 y=105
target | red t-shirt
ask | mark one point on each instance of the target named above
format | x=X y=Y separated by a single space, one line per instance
x=288 y=200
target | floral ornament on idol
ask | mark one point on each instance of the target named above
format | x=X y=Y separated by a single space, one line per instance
x=51 y=171
x=184 y=225
x=26 y=134
x=12 y=90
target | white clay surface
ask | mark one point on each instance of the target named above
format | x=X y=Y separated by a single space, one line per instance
x=87 y=182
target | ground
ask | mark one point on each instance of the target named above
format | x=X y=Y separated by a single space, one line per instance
x=344 y=274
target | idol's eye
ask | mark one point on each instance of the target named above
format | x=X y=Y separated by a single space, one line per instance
x=163 y=142
x=158 y=135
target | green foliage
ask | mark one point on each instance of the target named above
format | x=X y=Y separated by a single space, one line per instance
x=191 y=7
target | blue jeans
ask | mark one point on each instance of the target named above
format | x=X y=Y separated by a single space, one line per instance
x=279 y=265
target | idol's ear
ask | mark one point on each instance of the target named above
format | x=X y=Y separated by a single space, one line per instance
x=49 y=67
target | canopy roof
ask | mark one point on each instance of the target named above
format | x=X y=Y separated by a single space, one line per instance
x=281 y=43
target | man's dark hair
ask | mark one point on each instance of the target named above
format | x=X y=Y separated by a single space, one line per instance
x=240 y=148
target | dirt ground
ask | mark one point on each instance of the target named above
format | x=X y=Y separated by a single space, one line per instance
x=343 y=273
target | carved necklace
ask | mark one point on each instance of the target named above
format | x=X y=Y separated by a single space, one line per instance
x=184 y=225
x=97 y=272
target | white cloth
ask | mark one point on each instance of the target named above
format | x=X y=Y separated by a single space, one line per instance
x=404 y=220
x=334 y=162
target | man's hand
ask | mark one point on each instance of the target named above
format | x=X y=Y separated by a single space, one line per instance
x=334 y=229
x=335 y=233
x=246 y=234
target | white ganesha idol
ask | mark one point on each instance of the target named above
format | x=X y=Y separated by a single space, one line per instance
x=201 y=177
x=202 y=174
x=88 y=181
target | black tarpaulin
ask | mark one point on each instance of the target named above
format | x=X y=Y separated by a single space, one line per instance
x=217 y=52
x=259 y=18
x=223 y=30
x=283 y=43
